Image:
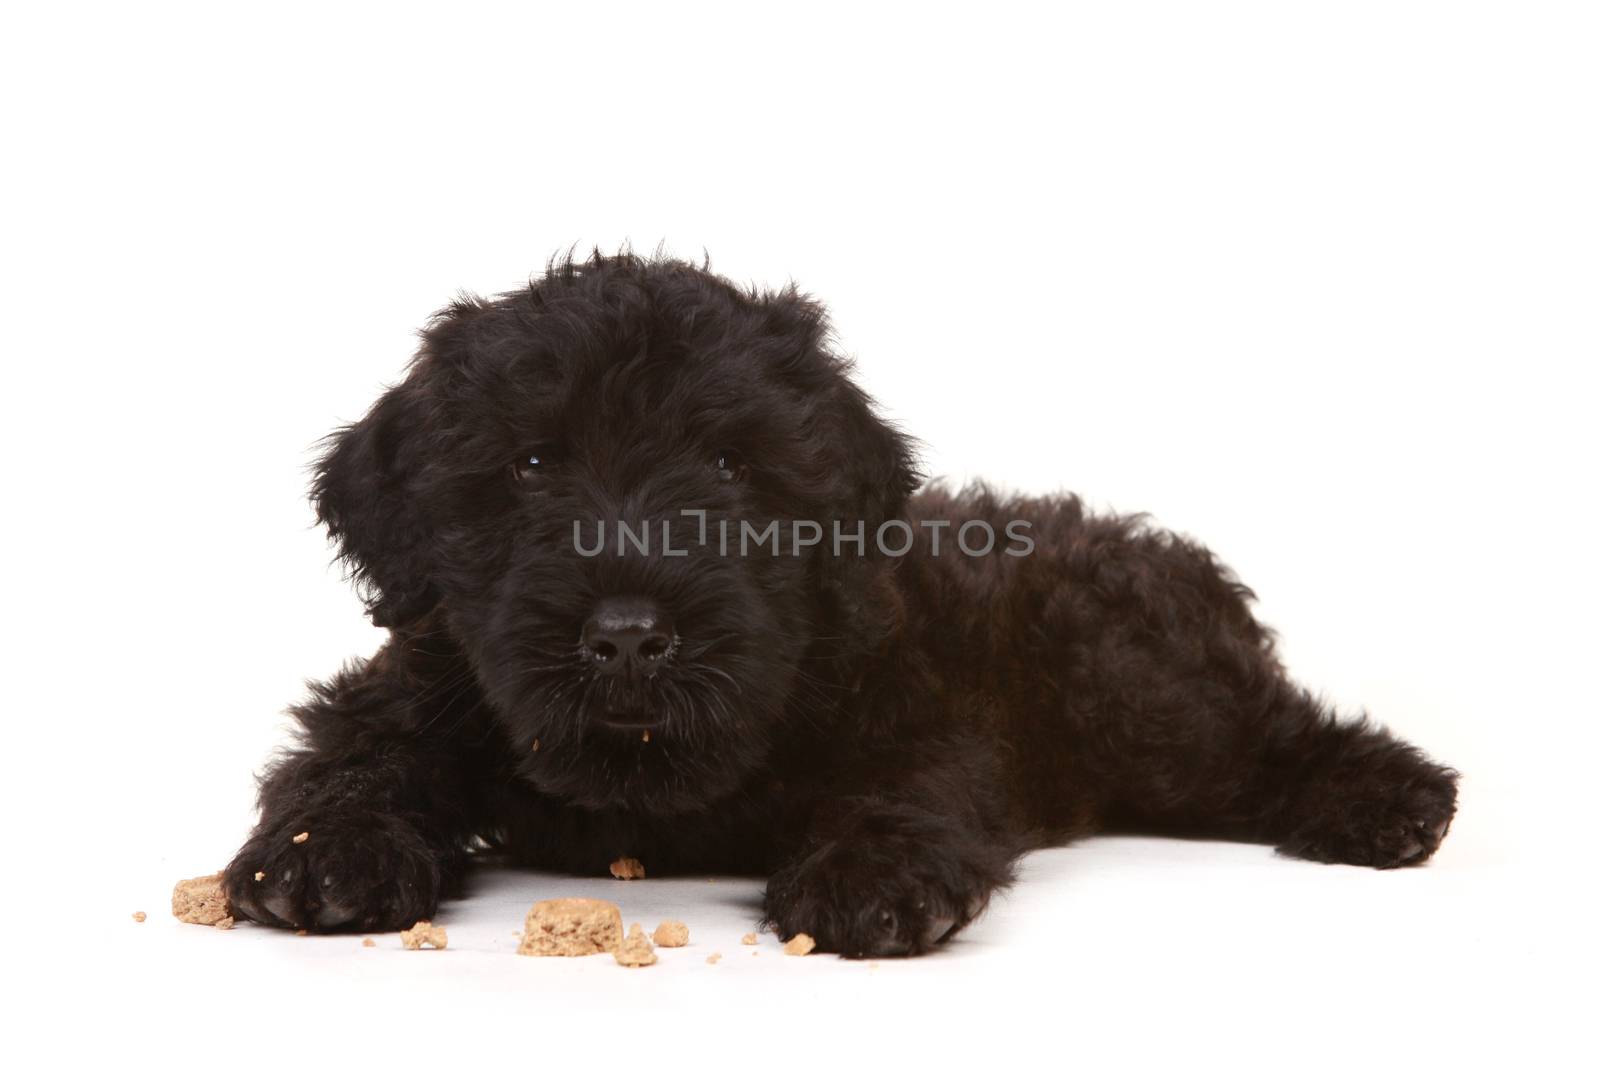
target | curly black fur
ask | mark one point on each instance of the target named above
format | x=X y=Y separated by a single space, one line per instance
x=883 y=737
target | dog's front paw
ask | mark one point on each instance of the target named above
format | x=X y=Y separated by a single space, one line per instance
x=884 y=891
x=367 y=872
x=1391 y=813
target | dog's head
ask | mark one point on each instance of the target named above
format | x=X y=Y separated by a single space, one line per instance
x=574 y=477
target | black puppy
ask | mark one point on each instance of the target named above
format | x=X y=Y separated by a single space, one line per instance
x=658 y=586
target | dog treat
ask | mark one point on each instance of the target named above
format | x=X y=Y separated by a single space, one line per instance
x=301 y=838
x=748 y=939
x=367 y=942
x=635 y=950
x=714 y=957
x=799 y=945
x=139 y=916
x=424 y=933
x=671 y=934
x=201 y=901
x=627 y=868
x=571 y=927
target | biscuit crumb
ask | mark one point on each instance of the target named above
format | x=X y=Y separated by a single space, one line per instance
x=627 y=868
x=635 y=950
x=225 y=923
x=671 y=934
x=302 y=933
x=714 y=957
x=261 y=876
x=571 y=927
x=424 y=933
x=647 y=737
x=138 y=916
x=301 y=838
x=201 y=901
x=535 y=745
x=748 y=939
x=799 y=945
x=367 y=942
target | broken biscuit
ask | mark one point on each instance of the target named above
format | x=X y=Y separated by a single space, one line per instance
x=799 y=945
x=201 y=901
x=627 y=868
x=671 y=934
x=635 y=950
x=424 y=933
x=574 y=926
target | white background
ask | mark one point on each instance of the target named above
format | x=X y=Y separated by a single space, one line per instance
x=1314 y=283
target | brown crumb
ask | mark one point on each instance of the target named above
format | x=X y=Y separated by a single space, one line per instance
x=139 y=916
x=627 y=868
x=571 y=927
x=261 y=876
x=224 y=923
x=367 y=942
x=302 y=933
x=714 y=957
x=635 y=950
x=424 y=933
x=535 y=744
x=748 y=939
x=201 y=901
x=301 y=838
x=671 y=934
x=799 y=945
x=647 y=737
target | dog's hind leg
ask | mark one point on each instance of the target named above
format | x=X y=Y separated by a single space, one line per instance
x=1180 y=707
x=1343 y=791
x=1273 y=764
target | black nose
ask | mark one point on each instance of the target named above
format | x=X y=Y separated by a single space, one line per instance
x=627 y=633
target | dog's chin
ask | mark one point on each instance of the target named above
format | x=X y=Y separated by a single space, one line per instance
x=615 y=768
x=651 y=745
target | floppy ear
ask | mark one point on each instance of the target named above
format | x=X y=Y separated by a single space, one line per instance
x=878 y=466
x=363 y=492
x=878 y=461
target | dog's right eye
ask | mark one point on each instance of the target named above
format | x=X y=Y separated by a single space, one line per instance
x=533 y=465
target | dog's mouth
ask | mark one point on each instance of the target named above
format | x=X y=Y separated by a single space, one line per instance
x=665 y=742
x=622 y=705
x=630 y=722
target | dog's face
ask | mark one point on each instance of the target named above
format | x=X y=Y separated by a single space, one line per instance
x=657 y=671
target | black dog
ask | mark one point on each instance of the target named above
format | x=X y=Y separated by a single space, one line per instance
x=588 y=660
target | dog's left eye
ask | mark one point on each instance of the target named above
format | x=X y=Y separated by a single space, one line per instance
x=730 y=465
